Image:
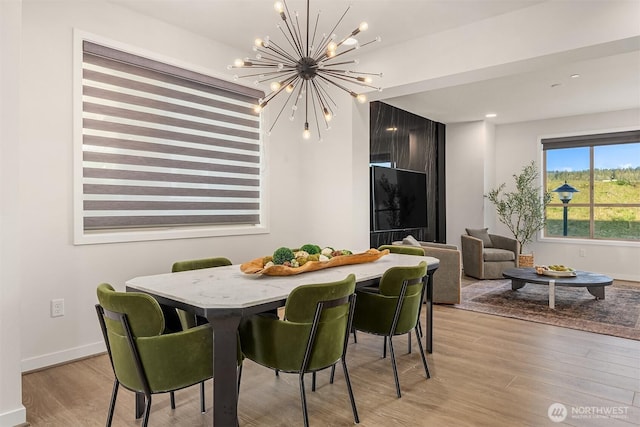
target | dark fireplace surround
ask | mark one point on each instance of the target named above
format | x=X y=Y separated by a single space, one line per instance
x=406 y=141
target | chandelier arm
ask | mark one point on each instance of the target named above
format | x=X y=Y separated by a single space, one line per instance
x=327 y=96
x=320 y=48
x=315 y=113
x=297 y=32
x=297 y=47
x=323 y=102
x=377 y=39
x=307 y=28
x=325 y=57
x=351 y=79
x=340 y=20
x=350 y=92
x=262 y=74
x=315 y=29
x=271 y=95
x=353 y=61
x=306 y=100
x=282 y=52
x=275 y=56
x=294 y=108
x=272 y=78
x=291 y=38
x=284 y=105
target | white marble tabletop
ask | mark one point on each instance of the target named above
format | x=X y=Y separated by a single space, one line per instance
x=228 y=287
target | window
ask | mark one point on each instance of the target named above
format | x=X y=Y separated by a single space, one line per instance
x=605 y=169
x=164 y=147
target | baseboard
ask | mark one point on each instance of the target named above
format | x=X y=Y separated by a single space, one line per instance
x=16 y=417
x=59 y=357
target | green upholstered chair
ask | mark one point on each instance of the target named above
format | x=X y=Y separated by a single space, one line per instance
x=393 y=310
x=188 y=320
x=312 y=336
x=406 y=250
x=145 y=360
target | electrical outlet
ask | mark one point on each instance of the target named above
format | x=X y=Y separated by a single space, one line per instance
x=57 y=307
x=582 y=252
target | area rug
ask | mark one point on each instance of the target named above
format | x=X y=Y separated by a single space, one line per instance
x=618 y=314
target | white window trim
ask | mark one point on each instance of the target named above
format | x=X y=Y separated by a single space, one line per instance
x=82 y=237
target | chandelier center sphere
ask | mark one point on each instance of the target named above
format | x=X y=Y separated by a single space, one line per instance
x=307 y=68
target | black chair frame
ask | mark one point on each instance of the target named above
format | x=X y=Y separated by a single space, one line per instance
x=392 y=332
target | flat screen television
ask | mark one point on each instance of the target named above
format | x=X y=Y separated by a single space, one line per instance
x=398 y=199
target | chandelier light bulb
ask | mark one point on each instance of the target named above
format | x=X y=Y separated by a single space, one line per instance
x=361 y=98
x=258 y=42
x=306 y=134
x=363 y=26
x=327 y=114
x=257 y=108
x=279 y=7
x=238 y=62
x=275 y=86
x=289 y=88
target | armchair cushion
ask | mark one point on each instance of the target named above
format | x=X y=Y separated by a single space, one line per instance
x=482 y=234
x=494 y=254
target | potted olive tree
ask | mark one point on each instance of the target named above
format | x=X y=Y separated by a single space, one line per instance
x=522 y=210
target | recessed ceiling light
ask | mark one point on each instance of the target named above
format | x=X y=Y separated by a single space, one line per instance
x=490 y=115
x=575 y=76
x=392 y=129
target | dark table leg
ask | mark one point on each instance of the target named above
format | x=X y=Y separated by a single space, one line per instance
x=139 y=405
x=225 y=365
x=429 y=326
x=517 y=284
x=596 y=291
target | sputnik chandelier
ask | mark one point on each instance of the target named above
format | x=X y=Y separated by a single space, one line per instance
x=306 y=67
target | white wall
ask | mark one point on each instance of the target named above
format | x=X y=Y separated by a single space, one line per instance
x=468 y=172
x=12 y=412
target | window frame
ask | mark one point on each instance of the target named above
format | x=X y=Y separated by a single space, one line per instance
x=115 y=235
x=592 y=205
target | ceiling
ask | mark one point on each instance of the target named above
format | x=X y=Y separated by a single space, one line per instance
x=605 y=83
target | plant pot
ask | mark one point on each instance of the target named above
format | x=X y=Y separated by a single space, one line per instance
x=525 y=260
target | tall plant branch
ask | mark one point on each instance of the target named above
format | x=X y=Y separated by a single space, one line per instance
x=522 y=210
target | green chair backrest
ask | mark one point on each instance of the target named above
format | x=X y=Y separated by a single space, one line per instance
x=143 y=312
x=375 y=311
x=402 y=249
x=197 y=264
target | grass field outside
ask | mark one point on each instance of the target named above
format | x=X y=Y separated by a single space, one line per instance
x=611 y=221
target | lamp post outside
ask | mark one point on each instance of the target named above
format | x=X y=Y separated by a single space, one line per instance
x=565 y=193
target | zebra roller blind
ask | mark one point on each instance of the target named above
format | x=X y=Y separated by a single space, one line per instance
x=165 y=146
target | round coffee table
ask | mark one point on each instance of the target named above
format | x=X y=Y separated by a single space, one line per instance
x=594 y=282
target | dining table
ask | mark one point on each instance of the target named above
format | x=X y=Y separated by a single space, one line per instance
x=223 y=295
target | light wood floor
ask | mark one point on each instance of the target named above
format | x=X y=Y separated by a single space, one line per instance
x=486 y=371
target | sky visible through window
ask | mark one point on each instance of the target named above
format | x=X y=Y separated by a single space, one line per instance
x=621 y=156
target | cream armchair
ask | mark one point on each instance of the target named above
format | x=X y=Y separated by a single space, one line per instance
x=486 y=256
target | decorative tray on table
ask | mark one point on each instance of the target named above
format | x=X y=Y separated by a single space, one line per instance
x=555 y=271
x=287 y=262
